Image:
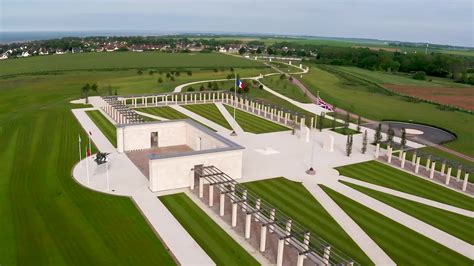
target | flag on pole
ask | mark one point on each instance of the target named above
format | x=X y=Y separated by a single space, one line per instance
x=324 y=105
x=240 y=84
x=88 y=152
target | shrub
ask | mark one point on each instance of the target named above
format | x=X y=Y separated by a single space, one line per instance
x=160 y=80
x=190 y=89
x=260 y=87
x=419 y=75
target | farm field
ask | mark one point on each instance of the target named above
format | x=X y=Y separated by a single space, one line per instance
x=285 y=87
x=107 y=128
x=254 y=124
x=168 y=113
x=210 y=112
x=295 y=201
x=387 y=176
x=124 y=60
x=371 y=102
x=403 y=245
x=222 y=249
x=454 y=224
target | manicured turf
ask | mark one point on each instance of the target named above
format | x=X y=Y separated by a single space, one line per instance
x=107 y=128
x=403 y=245
x=371 y=102
x=387 y=176
x=222 y=249
x=254 y=124
x=169 y=113
x=285 y=87
x=454 y=224
x=209 y=111
x=294 y=200
x=114 y=61
x=345 y=131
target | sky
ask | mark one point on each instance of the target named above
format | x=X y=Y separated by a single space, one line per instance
x=433 y=21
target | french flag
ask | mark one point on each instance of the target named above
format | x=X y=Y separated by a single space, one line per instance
x=240 y=84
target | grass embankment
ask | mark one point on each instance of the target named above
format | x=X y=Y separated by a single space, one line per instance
x=254 y=124
x=285 y=87
x=375 y=103
x=403 y=245
x=387 y=176
x=222 y=249
x=294 y=200
x=345 y=131
x=169 y=113
x=454 y=224
x=209 y=111
x=107 y=128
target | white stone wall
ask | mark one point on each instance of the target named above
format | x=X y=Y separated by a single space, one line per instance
x=207 y=142
x=138 y=137
x=172 y=173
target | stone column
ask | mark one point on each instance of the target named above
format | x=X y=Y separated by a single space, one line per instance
x=448 y=176
x=156 y=101
x=458 y=174
x=211 y=195
x=300 y=260
x=443 y=167
x=201 y=187
x=306 y=240
x=464 y=183
x=288 y=229
x=222 y=204
x=234 y=214
x=166 y=99
x=185 y=99
x=404 y=155
x=146 y=101
x=433 y=165
x=272 y=219
x=417 y=165
x=327 y=253
x=377 y=150
x=244 y=197
x=248 y=223
x=281 y=247
x=428 y=160
x=413 y=159
x=389 y=154
x=263 y=238
x=286 y=118
x=302 y=123
x=257 y=207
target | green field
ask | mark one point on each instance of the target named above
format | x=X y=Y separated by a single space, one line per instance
x=294 y=200
x=403 y=245
x=209 y=111
x=345 y=131
x=254 y=124
x=222 y=249
x=107 y=128
x=387 y=176
x=372 y=102
x=285 y=87
x=169 y=113
x=454 y=224
x=123 y=60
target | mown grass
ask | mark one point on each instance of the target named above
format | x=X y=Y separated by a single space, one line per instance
x=107 y=128
x=387 y=176
x=374 y=103
x=254 y=124
x=285 y=87
x=294 y=200
x=403 y=245
x=454 y=224
x=209 y=111
x=169 y=113
x=222 y=249
x=345 y=131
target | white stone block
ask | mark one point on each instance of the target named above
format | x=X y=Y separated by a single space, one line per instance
x=329 y=143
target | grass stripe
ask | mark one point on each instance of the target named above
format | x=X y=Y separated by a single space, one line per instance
x=254 y=124
x=209 y=111
x=107 y=128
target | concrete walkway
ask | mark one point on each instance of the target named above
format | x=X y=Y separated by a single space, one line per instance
x=229 y=118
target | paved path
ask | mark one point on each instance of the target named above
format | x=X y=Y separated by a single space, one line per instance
x=230 y=119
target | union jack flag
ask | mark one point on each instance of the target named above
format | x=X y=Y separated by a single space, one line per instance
x=324 y=104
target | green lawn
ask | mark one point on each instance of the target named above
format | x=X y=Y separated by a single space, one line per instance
x=387 y=176
x=209 y=111
x=254 y=124
x=294 y=200
x=345 y=131
x=372 y=102
x=222 y=249
x=107 y=128
x=124 y=60
x=403 y=245
x=285 y=87
x=169 y=113
x=454 y=224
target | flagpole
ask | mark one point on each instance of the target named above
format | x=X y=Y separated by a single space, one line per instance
x=87 y=167
x=90 y=150
x=233 y=133
x=80 y=153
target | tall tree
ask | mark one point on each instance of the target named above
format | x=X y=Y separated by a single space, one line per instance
x=85 y=91
x=349 y=145
x=347 y=120
x=378 y=134
x=390 y=134
x=403 y=139
x=364 y=142
x=358 y=123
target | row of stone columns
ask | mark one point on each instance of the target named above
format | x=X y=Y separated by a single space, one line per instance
x=114 y=113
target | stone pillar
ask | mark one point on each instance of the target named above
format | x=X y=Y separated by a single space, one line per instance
x=448 y=176
x=272 y=219
x=201 y=187
x=327 y=253
x=263 y=238
x=135 y=100
x=464 y=183
x=389 y=154
x=257 y=207
x=234 y=214
x=288 y=229
x=404 y=155
x=377 y=150
x=312 y=122
x=286 y=118
x=302 y=123
x=166 y=99
x=428 y=160
x=458 y=174
x=400 y=154
x=433 y=165
x=222 y=204
x=248 y=223
x=244 y=204
x=185 y=99
x=300 y=260
x=146 y=101
x=413 y=159
x=211 y=195
x=443 y=167
x=281 y=246
x=306 y=241
x=417 y=165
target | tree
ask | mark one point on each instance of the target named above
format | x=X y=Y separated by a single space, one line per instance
x=115 y=92
x=109 y=90
x=189 y=72
x=260 y=86
x=202 y=88
x=364 y=142
x=94 y=87
x=190 y=89
x=160 y=80
x=346 y=122
x=151 y=72
x=378 y=134
x=177 y=73
x=259 y=51
x=403 y=139
x=232 y=69
x=85 y=91
x=390 y=134
x=168 y=75
x=172 y=78
x=282 y=76
x=139 y=72
x=209 y=85
x=419 y=75
x=242 y=50
x=349 y=145
x=358 y=123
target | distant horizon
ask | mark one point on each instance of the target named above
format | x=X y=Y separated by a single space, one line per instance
x=54 y=34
